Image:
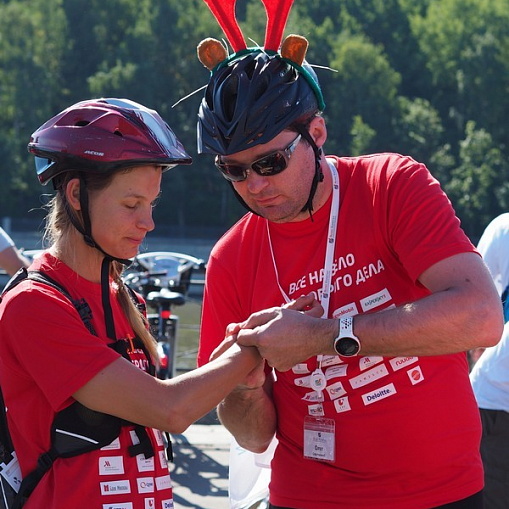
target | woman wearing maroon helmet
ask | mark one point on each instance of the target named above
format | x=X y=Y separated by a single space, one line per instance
x=70 y=369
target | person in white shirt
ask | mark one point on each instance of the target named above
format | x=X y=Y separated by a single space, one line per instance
x=490 y=374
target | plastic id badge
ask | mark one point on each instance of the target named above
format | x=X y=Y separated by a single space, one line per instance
x=319 y=439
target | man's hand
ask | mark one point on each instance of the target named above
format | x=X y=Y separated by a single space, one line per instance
x=282 y=334
x=306 y=305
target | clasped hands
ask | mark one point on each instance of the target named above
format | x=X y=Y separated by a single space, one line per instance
x=282 y=335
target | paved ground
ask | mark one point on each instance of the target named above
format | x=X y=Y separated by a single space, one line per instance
x=200 y=469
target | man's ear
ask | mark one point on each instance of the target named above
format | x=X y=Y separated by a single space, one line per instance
x=318 y=130
x=72 y=193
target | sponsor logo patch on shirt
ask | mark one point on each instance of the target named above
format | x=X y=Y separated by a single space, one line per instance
x=300 y=369
x=415 y=375
x=342 y=405
x=163 y=483
x=379 y=394
x=336 y=371
x=369 y=362
x=377 y=299
x=336 y=390
x=111 y=465
x=402 y=362
x=145 y=484
x=115 y=487
x=369 y=376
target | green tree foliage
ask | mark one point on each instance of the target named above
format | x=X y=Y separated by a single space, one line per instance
x=483 y=170
x=365 y=85
x=32 y=43
x=466 y=44
x=419 y=132
x=428 y=78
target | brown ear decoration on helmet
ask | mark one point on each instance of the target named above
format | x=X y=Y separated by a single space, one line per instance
x=294 y=48
x=211 y=52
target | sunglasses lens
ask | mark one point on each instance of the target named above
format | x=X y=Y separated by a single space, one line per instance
x=230 y=171
x=270 y=165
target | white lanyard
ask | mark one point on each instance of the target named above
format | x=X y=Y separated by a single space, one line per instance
x=319 y=377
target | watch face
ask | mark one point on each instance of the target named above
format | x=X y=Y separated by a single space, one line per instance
x=347 y=347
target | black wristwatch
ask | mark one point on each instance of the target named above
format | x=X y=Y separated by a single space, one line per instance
x=346 y=344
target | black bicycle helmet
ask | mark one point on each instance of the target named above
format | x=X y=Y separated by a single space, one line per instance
x=251 y=98
x=103 y=135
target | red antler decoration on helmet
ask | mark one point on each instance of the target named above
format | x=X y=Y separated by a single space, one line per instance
x=277 y=15
x=276 y=21
x=224 y=12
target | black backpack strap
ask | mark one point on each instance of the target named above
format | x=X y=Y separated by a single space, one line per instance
x=80 y=305
x=21 y=275
x=144 y=446
x=75 y=430
x=29 y=483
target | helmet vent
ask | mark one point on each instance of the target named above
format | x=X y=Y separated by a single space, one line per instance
x=118 y=133
x=262 y=87
x=82 y=123
x=249 y=69
x=230 y=91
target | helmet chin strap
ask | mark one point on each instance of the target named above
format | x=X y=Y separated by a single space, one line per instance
x=317 y=178
x=86 y=231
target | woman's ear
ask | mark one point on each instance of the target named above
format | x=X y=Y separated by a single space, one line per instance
x=318 y=130
x=72 y=193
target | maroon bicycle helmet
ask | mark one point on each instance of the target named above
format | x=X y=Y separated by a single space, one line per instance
x=103 y=135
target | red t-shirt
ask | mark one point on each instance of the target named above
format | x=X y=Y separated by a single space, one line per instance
x=407 y=429
x=46 y=354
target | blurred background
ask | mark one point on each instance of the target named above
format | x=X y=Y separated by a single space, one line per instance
x=428 y=78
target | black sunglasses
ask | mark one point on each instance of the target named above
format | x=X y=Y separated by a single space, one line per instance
x=268 y=165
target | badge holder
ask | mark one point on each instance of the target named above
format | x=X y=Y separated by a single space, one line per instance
x=319 y=439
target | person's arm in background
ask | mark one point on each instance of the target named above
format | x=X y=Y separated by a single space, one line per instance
x=494 y=248
x=11 y=258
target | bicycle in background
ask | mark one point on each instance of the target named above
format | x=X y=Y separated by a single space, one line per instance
x=163 y=279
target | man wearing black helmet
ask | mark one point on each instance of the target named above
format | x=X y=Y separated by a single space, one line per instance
x=371 y=405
